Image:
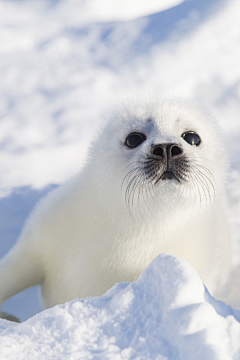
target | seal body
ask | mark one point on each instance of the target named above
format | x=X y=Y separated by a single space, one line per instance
x=153 y=183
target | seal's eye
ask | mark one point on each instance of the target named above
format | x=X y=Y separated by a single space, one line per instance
x=192 y=138
x=134 y=139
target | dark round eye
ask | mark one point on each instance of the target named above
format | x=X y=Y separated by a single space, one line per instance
x=134 y=139
x=192 y=138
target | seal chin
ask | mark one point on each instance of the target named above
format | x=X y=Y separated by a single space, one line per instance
x=168 y=175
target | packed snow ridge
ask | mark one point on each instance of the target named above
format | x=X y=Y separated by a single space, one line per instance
x=166 y=314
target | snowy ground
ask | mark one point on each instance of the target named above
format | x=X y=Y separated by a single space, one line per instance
x=146 y=319
x=63 y=64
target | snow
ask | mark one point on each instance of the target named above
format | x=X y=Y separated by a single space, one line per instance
x=63 y=65
x=166 y=314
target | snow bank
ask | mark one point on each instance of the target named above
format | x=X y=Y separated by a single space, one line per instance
x=166 y=314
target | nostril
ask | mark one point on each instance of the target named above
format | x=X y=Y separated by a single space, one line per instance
x=169 y=150
x=175 y=150
x=158 y=151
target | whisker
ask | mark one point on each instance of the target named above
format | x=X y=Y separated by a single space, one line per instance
x=144 y=184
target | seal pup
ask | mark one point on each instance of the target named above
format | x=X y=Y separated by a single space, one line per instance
x=153 y=183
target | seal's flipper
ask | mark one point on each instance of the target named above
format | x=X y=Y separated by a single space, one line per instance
x=18 y=271
x=9 y=317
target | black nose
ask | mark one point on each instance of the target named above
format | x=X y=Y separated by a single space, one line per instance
x=167 y=150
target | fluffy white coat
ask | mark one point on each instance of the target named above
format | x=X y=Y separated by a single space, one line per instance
x=88 y=234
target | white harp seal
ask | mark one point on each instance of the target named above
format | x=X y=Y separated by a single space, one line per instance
x=153 y=183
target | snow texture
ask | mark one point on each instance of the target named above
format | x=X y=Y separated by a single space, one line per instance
x=63 y=65
x=165 y=314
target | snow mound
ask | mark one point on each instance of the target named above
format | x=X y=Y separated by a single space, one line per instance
x=166 y=314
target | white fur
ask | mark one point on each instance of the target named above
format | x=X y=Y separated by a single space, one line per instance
x=82 y=238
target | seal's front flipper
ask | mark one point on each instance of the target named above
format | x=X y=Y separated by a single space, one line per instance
x=6 y=316
x=18 y=270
